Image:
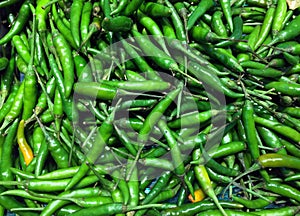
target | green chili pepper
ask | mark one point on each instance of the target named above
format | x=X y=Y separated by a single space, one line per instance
x=9 y=102
x=9 y=202
x=205 y=183
x=65 y=55
x=75 y=14
x=279 y=17
x=283 y=189
x=121 y=6
x=174 y=148
x=105 y=131
x=202 y=7
x=266 y=27
x=289 y=32
x=217 y=24
x=226 y=7
x=7 y=149
x=7 y=78
x=16 y=107
x=19 y=23
x=117 y=24
x=154 y=9
x=290 y=210
x=85 y=19
x=56 y=150
x=63 y=29
x=131 y=7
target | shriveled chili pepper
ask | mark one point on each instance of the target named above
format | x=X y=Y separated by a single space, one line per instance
x=199 y=196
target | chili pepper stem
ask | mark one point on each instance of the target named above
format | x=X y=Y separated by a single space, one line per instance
x=12 y=183
x=251 y=192
x=134 y=208
x=27 y=209
x=92 y=31
x=50 y=3
x=253 y=168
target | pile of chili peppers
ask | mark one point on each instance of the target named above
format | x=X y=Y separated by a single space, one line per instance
x=136 y=107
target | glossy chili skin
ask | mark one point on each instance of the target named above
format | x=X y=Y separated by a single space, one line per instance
x=278 y=160
x=105 y=132
x=254 y=204
x=7 y=78
x=194 y=208
x=9 y=202
x=266 y=27
x=23 y=145
x=75 y=14
x=65 y=55
x=283 y=190
x=202 y=7
x=289 y=32
x=217 y=24
x=9 y=101
x=285 y=88
x=19 y=24
x=6 y=157
x=279 y=128
x=54 y=205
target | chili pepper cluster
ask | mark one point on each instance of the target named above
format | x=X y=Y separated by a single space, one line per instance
x=136 y=107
